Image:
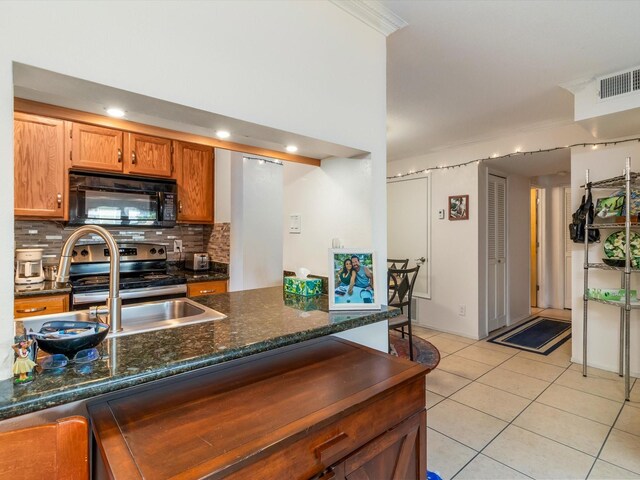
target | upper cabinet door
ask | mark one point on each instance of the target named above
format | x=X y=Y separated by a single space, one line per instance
x=148 y=155
x=96 y=148
x=39 y=173
x=194 y=164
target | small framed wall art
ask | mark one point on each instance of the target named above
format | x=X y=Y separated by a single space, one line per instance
x=459 y=207
x=351 y=279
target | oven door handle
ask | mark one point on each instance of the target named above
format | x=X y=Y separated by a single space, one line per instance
x=139 y=293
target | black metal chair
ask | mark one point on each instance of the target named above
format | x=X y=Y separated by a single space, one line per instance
x=400 y=282
x=397 y=262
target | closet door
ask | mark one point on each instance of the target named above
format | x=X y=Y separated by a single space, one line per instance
x=497 y=253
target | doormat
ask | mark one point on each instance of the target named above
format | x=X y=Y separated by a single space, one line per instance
x=539 y=335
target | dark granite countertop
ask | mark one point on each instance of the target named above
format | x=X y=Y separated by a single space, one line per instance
x=257 y=320
x=205 y=276
x=44 y=288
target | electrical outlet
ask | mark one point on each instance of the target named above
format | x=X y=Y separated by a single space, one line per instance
x=177 y=246
x=462 y=310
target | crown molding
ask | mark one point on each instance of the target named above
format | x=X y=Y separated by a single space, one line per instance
x=374 y=14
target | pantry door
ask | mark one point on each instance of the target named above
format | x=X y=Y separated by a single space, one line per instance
x=497 y=253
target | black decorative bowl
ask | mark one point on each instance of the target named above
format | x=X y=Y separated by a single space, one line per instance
x=614 y=262
x=71 y=345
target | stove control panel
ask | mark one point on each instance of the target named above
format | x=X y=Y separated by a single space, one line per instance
x=98 y=253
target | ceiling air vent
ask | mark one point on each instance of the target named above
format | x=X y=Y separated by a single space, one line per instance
x=620 y=83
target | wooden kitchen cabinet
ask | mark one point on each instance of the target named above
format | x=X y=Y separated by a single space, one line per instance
x=96 y=148
x=195 y=176
x=40 y=305
x=39 y=173
x=323 y=407
x=206 y=288
x=147 y=155
x=394 y=454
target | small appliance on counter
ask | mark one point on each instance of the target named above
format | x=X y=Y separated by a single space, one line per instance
x=197 y=262
x=29 y=266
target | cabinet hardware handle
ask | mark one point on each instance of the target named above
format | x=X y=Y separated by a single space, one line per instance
x=329 y=449
x=133 y=158
x=32 y=310
x=179 y=206
x=119 y=155
x=208 y=291
x=59 y=200
x=328 y=474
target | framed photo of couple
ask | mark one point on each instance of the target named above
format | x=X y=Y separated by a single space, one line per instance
x=351 y=285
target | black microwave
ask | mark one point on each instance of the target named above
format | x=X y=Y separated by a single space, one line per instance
x=121 y=200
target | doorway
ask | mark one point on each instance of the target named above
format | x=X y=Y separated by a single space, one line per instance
x=534 y=245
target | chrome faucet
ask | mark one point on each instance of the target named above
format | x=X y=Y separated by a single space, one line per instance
x=114 y=303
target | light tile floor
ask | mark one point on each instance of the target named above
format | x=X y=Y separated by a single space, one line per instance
x=496 y=413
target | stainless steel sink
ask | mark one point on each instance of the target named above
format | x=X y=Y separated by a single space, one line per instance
x=140 y=317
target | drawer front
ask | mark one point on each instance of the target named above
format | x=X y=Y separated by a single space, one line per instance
x=206 y=288
x=32 y=306
x=318 y=450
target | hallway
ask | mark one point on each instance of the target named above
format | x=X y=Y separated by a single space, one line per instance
x=496 y=412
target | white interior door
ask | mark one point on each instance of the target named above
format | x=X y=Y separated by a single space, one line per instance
x=497 y=254
x=568 y=245
x=407 y=227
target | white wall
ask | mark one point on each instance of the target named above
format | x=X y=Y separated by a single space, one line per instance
x=223 y=186
x=458 y=249
x=334 y=202
x=305 y=67
x=603 y=320
x=256 y=212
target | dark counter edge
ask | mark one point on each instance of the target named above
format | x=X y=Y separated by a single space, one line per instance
x=84 y=392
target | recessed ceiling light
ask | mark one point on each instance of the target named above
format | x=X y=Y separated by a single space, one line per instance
x=222 y=134
x=291 y=149
x=115 y=112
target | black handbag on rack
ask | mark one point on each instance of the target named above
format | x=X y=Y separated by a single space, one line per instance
x=584 y=214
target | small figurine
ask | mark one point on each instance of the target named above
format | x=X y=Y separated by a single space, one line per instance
x=23 y=366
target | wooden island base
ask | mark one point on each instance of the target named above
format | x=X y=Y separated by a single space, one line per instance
x=326 y=408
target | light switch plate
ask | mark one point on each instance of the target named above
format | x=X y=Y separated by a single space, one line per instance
x=295 y=223
x=441 y=214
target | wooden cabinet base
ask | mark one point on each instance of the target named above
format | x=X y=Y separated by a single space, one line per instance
x=206 y=288
x=324 y=407
x=40 y=305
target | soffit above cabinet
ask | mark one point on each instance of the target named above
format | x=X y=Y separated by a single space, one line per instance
x=36 y=84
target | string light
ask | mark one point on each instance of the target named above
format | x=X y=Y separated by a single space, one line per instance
x=517 y=153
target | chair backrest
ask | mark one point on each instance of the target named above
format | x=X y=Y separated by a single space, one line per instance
x=57 y=450
x=397 y=262
x=400 y=282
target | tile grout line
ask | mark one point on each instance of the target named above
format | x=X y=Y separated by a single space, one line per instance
x=514 y=419
x=496 y=436
x=531 y=401
x=607 y=438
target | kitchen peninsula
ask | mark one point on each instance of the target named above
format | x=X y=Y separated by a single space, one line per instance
x=257 y=321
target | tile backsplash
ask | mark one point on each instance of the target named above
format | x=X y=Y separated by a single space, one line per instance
x=50 y=236
x=220 y=242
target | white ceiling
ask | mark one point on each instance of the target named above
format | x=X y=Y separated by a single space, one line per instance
x=464 y=71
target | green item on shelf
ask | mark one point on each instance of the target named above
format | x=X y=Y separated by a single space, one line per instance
x=611 y=294
x=614 y=247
